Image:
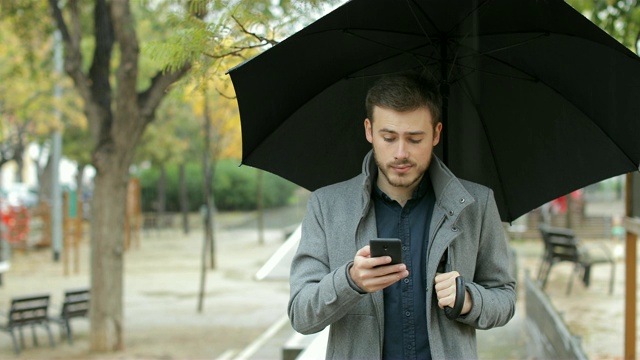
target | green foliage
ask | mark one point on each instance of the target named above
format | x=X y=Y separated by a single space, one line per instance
x=234 y=187
x=620 y=19
x=231 y=31
x=149 y=187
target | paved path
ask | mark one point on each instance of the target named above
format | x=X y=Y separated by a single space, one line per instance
x=161 y=292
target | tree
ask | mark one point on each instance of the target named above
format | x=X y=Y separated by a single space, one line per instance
x=619 y=18
x=118 y=109
x=26 y=91
x=162 y=150
x=120 y=98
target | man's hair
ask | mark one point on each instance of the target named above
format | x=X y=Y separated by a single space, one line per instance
x=405 y=92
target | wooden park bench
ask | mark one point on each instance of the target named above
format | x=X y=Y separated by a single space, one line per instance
x=29 y=311
x=560 y=245
x=75 y=305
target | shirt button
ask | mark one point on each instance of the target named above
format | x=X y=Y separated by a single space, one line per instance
x=404 y=247
x=450 y=212
x=407 y=313
x=454 y=229
x=406 y=280
x=462 y=201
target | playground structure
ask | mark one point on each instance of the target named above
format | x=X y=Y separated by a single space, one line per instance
x=72 y=230
x=27 y=228
x=16 y=222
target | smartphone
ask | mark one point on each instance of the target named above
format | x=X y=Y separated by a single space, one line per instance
x=387 y=247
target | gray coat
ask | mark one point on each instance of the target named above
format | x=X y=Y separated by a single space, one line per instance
x=340 y=220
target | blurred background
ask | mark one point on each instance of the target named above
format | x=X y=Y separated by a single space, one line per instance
x=125 y=108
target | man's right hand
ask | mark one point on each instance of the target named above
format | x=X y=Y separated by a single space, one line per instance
x=371 y=274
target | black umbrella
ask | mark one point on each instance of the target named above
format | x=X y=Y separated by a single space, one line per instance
x=540 y=101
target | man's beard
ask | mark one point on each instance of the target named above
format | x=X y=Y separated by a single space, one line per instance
x=398 y=183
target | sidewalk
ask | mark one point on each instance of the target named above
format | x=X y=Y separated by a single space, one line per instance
x=243 y=318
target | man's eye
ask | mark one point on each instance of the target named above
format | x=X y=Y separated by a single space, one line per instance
x=415 y=141
x=388 y=139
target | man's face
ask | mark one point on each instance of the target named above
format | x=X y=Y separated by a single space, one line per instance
x=402 y=143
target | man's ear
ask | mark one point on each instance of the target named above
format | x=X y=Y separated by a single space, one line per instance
x=436 y=133
x=368 y=131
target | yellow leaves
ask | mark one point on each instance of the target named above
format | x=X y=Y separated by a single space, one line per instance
x=226 y=124
x=213 y=99
x=35 y=100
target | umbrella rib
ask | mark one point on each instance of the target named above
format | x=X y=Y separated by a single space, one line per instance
x=462 y=20
x=424 y=65
x=509 y=65
x=537 y=79
x=415 y=17
x=467 y=93
x=506 y=47
x=401 y=51
x=488 y=53
x=472 y=69
x=464 y=86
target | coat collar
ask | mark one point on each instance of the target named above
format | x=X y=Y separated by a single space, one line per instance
x=451 y=195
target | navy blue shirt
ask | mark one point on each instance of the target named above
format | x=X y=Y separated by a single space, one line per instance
x=405 y=311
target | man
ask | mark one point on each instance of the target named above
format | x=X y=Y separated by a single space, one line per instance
x=448 y=227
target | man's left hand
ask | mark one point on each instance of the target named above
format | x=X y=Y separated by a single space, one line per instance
x=445 y=285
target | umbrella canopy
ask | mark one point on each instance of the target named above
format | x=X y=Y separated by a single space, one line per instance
x=538 y=100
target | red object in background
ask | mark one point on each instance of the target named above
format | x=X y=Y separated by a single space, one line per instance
x=559 y=205
x=16 y=220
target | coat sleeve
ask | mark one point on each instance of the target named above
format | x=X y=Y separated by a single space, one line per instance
x=320 y=295
x=493 y=286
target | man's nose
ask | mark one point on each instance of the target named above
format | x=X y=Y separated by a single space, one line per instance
x=401 y=150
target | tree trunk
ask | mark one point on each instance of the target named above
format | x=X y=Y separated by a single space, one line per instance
x=107 y=248
x=19 y=158
x=79 y=182
x=45 y=188
x=162 y=196
x=210 y=166
x=117 y=115
x=184 y=198
x=207 y=241
x=212 y=221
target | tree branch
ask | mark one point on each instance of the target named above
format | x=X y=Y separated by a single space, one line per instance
x=237 y=52
x=73 y=59
x=100 y=64
x=224 y=95
x=127 y=74
x=57 y=17
x=252 y=34
x=76 y=35
x=149 y=100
